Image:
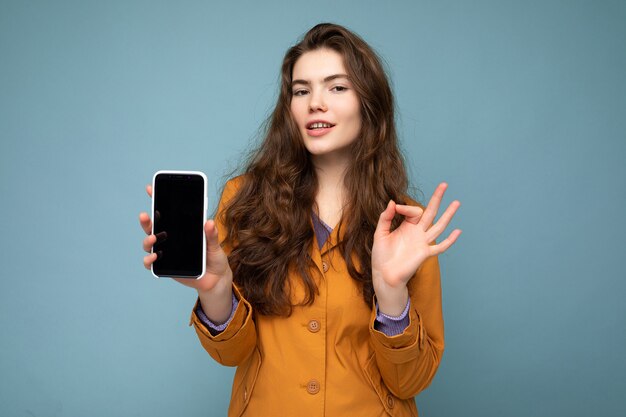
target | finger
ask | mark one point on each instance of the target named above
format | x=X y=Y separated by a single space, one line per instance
x=148 y=260
x=443 y=246
x=145 y=222
x=443 y=222
x=383 y=227
x=212 y=239
x=433 y=206
x=161 y=237
x=411 y=214
x=149 y=242
x=149 y=190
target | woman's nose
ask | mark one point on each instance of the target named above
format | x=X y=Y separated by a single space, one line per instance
x=317 y=103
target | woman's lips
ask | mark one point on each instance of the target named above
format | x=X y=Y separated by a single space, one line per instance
x=318 y=127
x=320 y=131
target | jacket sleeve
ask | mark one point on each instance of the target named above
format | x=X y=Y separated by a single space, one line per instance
x=408 y=361
x=238 y=340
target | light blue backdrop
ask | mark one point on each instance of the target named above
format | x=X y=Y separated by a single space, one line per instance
x=520 y=106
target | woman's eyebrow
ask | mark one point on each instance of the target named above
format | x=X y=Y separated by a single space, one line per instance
x=326 y=79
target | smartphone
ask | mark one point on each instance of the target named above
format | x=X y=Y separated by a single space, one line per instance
x=179 y=205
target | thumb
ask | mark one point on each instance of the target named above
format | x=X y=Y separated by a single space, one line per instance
x=212 y=240
x=384 y=221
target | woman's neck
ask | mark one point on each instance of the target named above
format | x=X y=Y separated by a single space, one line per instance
x=330 y=196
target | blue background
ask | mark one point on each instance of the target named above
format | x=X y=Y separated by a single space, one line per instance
x=520 y=106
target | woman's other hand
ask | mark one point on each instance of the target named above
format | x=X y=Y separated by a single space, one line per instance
x=396 y=255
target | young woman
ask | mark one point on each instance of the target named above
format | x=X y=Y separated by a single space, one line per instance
x=322 y=282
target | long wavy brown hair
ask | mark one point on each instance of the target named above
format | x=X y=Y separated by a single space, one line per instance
x=268 y=221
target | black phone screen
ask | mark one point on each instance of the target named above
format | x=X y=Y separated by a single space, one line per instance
x=178 y=224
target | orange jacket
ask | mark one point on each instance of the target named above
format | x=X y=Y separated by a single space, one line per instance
x=327 y=359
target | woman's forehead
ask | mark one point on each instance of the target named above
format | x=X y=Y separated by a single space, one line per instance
x=316 y=65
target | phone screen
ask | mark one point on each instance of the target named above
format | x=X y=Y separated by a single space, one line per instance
x=178 y=223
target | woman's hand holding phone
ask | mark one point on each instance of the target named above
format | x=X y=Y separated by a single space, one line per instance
x=215 y=286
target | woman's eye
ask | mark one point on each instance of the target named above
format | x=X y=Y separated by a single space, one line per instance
x=299 y=92
x=339 y=88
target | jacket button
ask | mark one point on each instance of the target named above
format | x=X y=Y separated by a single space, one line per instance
x=313 y=387
x=325 y=266
x=390 y=401
x=314 y=326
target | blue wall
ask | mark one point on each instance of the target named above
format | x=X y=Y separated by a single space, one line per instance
x=520 y=106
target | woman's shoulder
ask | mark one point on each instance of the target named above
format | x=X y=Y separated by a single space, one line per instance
x=234 y=183
x=230 y=188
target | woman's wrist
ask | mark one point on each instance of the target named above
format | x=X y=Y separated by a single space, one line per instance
x=392 y=301
x=217 y=303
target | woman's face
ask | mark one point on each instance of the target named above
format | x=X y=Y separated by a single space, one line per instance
x=325 y=105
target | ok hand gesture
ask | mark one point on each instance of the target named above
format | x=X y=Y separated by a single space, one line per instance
x=397 y=255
